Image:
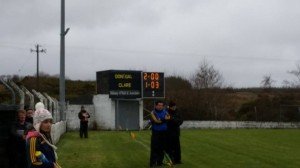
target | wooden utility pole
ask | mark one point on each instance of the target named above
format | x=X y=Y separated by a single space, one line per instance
x=37 y=50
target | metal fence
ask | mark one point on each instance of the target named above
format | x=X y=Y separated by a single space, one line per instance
x=26 y=99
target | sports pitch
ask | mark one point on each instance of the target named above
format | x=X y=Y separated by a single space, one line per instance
x=200 y=148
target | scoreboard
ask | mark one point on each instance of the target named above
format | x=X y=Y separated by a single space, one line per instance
x=122 y=84
x=153 y=85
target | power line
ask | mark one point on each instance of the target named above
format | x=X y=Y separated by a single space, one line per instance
x=12 y=46
x=38 y=50
x=166 y=53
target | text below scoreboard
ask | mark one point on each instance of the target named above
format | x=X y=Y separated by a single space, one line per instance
x=153 y=85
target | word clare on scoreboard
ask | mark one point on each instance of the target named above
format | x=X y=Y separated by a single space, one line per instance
x=122 y=84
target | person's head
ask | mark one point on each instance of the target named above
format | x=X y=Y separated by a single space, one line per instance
x=46 y=125
x=42 y=120
x=82 y=108
x=172 y=105
x=159 y=105
x=29 y=113
x=21 y=115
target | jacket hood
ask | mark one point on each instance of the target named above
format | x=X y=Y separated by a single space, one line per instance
x=31 y=134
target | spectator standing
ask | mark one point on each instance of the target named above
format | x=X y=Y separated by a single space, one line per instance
x=83 y=116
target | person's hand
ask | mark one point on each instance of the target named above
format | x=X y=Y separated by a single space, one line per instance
x=167 y=117
x=56 y=165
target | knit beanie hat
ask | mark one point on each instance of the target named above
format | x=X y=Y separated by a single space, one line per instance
x=41 y=114
x=39 y=105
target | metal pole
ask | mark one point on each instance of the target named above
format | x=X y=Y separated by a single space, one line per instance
x=280 y=113
x=62 y=62
x=37 y=50
x=255 y=112
x=118 y=127
x=31 y=96
x=41 y=99
x=37 y=68
x=20 y=92
x=11 y=90
x=51 y=103
x=57 y=117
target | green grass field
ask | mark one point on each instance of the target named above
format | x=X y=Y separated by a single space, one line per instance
x=200 y=148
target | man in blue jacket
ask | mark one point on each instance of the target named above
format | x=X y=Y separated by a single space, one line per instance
x=159 y=117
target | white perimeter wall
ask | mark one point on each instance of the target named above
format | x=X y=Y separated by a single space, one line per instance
x=104 y=112
x=57 y=130
x=238 y=124
x=235 y=124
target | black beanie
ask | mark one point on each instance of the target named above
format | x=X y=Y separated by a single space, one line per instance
x=172 y=104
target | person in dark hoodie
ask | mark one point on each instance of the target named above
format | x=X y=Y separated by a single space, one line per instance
x=17 y=143
x=159 y=117
x=173 y=124
x=40 y=149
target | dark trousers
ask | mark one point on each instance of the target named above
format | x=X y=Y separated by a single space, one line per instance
x=174 y=149
x=83 y=129
x=18 y=160
x=158 y=147
x=16 y=149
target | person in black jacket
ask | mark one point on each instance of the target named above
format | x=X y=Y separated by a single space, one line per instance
x=174 y=123
x=83 y=115
x=29 y=116
x=17 y=143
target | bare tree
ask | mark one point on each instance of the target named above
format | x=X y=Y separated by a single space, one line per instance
x=267 y=81
x=294 y=83
x=206 y=76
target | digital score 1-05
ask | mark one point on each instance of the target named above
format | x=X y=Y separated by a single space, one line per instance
x=153 y=85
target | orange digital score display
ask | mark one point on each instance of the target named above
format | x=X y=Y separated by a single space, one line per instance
x=153 y=85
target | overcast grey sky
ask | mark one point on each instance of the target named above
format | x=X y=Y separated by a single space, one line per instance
x=244 y=39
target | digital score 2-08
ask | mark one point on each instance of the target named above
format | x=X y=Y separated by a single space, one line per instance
x=153 y=85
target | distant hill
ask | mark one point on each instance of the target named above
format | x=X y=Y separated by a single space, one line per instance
x=77 y=92
x=249 y=104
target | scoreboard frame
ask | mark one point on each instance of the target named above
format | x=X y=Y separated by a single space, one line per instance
x=128 y=84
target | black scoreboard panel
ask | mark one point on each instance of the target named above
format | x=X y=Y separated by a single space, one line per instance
x=153 y=85
x=119 y=84
x=102 y=82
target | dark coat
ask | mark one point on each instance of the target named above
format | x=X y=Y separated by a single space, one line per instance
x=17 y=144
x=29 y=120
x=82 y=118
x=174 y=123
x=37 y=143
